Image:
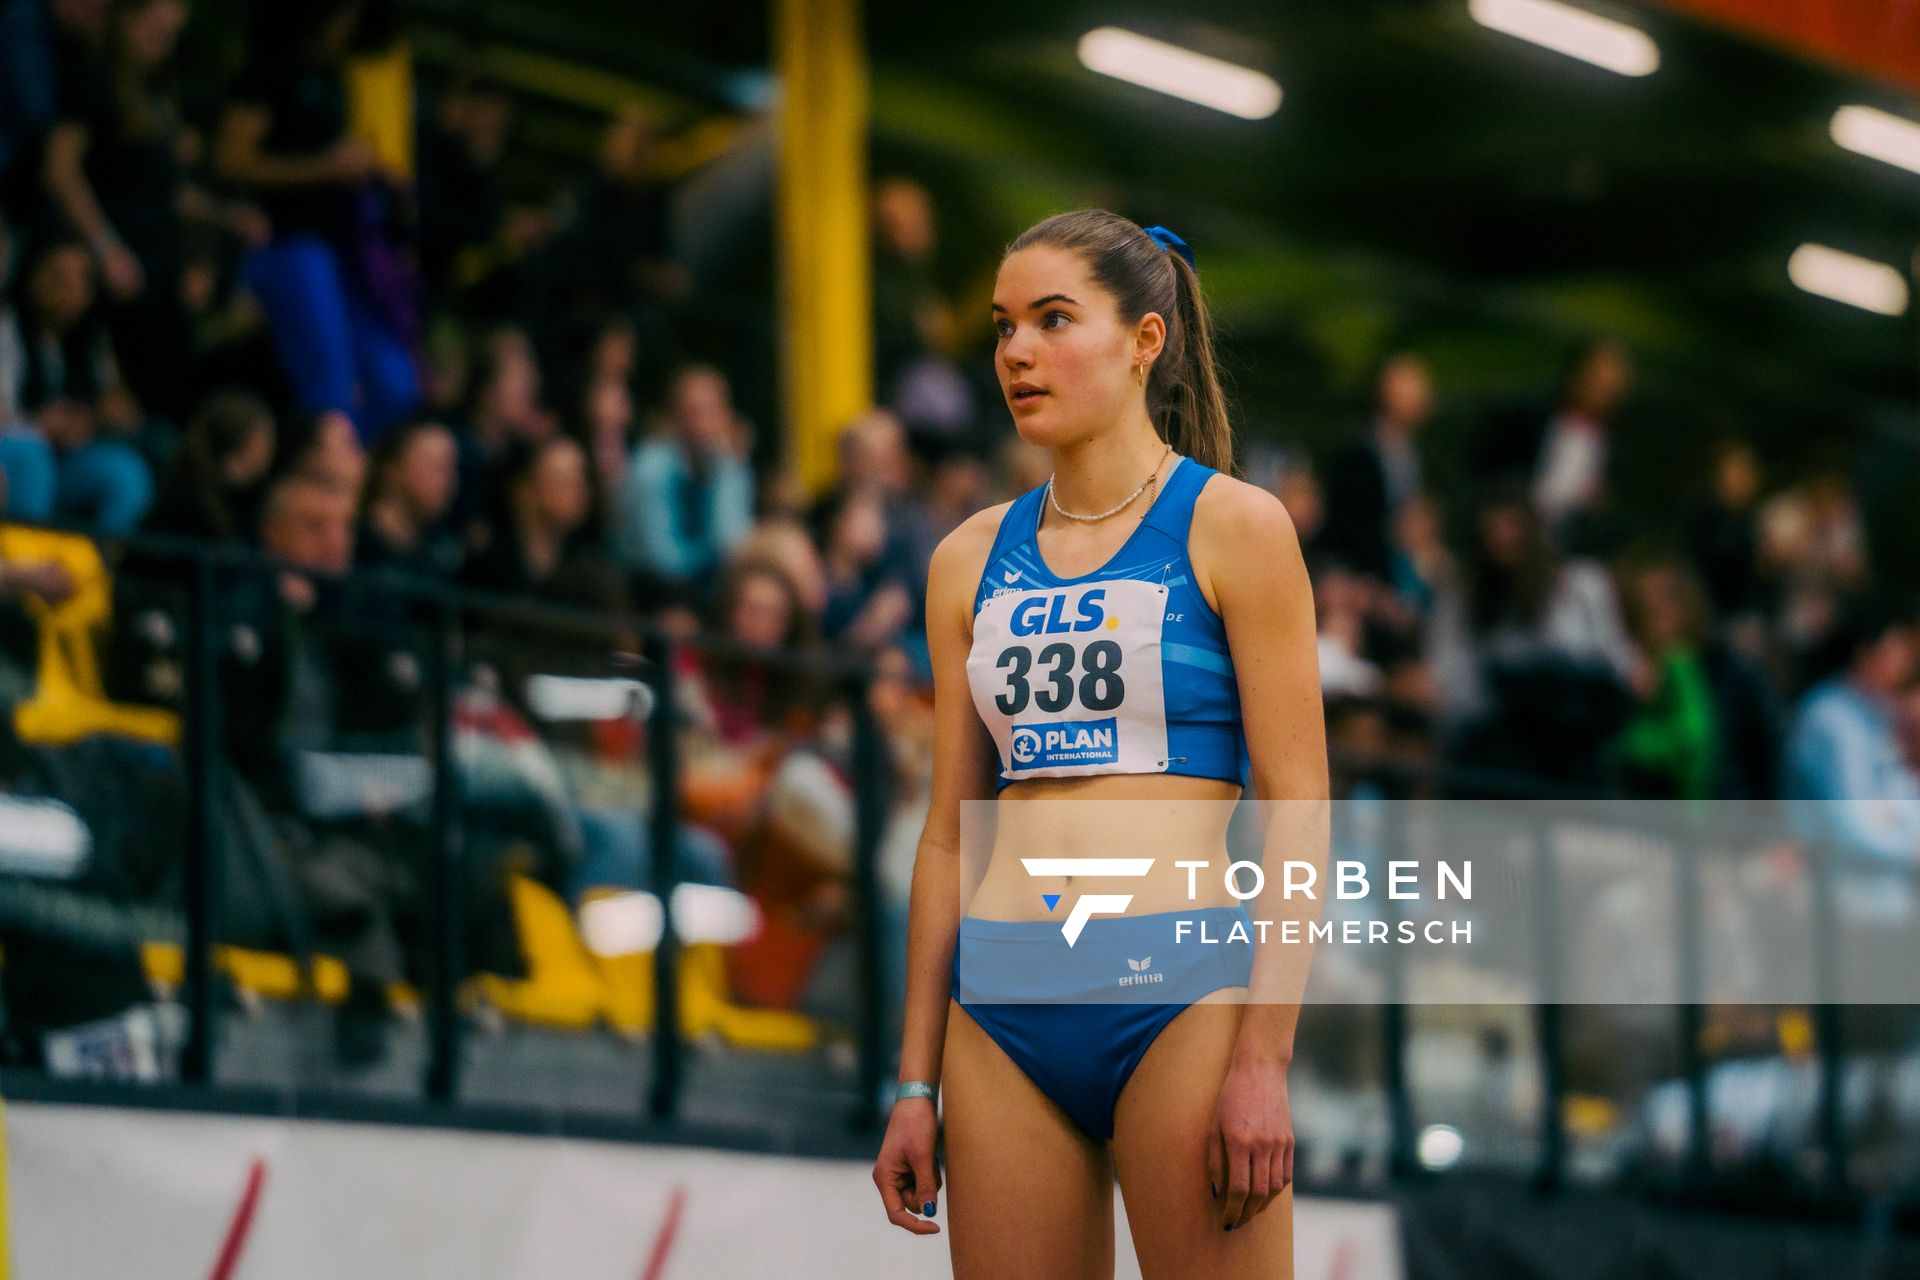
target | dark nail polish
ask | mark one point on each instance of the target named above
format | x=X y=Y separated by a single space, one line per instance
x=927 y=1208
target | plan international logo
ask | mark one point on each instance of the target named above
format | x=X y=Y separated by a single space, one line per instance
x=1092 y=904
x=1059 y=742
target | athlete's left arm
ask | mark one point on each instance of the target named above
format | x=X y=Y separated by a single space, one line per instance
x=1247 y=560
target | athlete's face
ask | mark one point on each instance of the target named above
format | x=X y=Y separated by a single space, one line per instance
x=1065 y=355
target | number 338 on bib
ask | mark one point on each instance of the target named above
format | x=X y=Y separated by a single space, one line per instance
x=1068 y=679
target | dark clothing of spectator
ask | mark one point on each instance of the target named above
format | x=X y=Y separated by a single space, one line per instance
x=307 y=106
x=619 y=230
x=1726 y=553
x=461 y=208
x=583 y=577
x=337 y=300
x=134 y=171
x=1752 y=724
x=1361 y=499
x=437 y=554
x=37 y=62
x=187 y=509
x=901 y=288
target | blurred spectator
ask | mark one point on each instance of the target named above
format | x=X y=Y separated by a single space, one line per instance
x=1532 y=664
x=688 y=496
x=1340 y=609
x=1670 y=749
x=461 y=207
x=866 y=606
x=339 y=331
x=1022 y=465
x=542 y=551
x=956 y=489
x=786 y=543
x=68 y=453
x=1813 y=548
x=1725 y=540
x=212 y=489
x=911 y=320
x=279 y=694
x=1374 y=475
x=616 y=254
x=320 y=693
x=1419 y=556
x=43 y=45
x=502 y=409
x=1570 y=477
x=605 y=408
x=1299 y=492
x=447 y=368
x=412 y=480
x=113 y=168
x=1747 y=710
x=1565 y=457
x=503 y=405
x=330 y=452
x=737 y=696
x=872 y=453
x=1844 y=751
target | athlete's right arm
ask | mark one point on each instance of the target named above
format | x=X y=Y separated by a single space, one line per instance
x=904 y=1170
x=961 y=771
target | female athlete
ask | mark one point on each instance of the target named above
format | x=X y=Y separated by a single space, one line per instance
x=1135 y=641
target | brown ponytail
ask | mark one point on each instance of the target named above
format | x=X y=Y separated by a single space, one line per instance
x=1184 y=396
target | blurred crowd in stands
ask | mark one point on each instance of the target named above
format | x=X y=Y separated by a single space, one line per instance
x=314 y=320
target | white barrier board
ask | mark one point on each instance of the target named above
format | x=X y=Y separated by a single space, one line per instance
x=98 y=1193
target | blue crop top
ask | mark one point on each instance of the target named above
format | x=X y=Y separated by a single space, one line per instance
x=1122 y=670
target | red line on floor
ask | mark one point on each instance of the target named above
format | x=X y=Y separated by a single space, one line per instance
x=242 y=1223
x=657 y=1260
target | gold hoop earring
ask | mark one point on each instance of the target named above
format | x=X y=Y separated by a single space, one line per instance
x=1141 y=371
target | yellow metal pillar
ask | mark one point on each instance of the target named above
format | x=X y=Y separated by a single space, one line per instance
x=825 y=294
x=380 y=105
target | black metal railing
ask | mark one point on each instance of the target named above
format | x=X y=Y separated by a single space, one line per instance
x=203 y=569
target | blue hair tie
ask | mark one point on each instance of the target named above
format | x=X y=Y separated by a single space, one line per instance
x=1172 y=243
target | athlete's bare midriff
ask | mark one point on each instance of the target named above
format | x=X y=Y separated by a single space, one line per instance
x=1169 y=818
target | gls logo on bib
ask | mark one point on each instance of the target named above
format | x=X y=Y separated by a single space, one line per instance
x=1045 y=615
x=1036 y=746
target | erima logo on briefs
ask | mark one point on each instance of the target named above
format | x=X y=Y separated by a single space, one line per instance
x=1045 y=615
x=1139 y=976
x=1092 y=904
x=1013 y=575
x=1035 y=746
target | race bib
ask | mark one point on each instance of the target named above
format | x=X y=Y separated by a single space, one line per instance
x=1067 y=679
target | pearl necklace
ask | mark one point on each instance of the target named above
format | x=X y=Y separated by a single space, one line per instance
x=1151 y=480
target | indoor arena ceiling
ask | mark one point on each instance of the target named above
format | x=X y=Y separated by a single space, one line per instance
x=1425 y=178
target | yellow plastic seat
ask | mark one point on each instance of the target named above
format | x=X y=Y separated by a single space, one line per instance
x=68 y=703
x=562 y=987
x=706 y=1001
x=270 y=975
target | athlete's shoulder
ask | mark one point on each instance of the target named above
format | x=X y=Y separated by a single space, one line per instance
x=1236 y=527
x=1229 y=511
x=961 y=556
x=976 y=533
